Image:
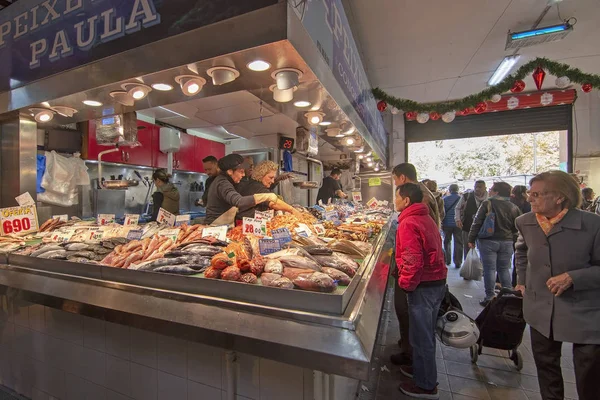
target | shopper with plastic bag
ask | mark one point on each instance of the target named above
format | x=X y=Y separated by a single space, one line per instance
x=472 y=268
x=495 y=231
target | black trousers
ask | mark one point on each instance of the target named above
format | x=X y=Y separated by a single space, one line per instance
x=449 y=234
x=586 y=357
x=401 y=306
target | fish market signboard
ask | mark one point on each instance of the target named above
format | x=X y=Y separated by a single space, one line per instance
x=18 y=220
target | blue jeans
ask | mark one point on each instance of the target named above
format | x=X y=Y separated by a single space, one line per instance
x=423 y=306
x=496 y=255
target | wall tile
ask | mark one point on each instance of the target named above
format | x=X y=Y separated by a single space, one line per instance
x=247 y=369
x=20 y=312
x=81 y=389
x=6 y=376
x=39 y=346
x=7 y=333
x=278 y=381
x=92 y=366
x=118 y=375
x=37 y=394
x=172 y=355
x=117 y=340
x=171 y=387
x=64 y=325
x=144 y=382
x=49 y=379
x=205 y=364
x=37 y=320
x=112 y=395
x=57 y=353
x=22 y=373
x=198 y=391
x=94 y=334
x=22 y=340
x=143 y=347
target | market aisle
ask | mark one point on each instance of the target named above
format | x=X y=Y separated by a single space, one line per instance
x=493 y=378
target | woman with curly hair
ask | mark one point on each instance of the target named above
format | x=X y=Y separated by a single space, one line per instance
x=261 y=181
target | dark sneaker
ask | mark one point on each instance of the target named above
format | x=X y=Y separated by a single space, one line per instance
x=401 y=359
x=410 y=389
x=484 y=303
x=407 y=370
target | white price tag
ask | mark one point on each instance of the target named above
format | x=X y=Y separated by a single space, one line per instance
x=372 y=203
x=62 y=237
x=305 y=228
x=105 y=219
x=319 y=228
x=182 y=219
x=357 y=197
x=19 y=220
x=95 y=235
x=62 y=217
x=170 y=233
x=165 y=217
x=385 y=203
x=254 y=226
x=25 y=199
x=264 y=214
x=219 y=232
x=131 y=219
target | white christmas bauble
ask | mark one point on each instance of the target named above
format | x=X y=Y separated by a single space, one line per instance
x=546 y=99
x=512 y=103
x=496 y=98
x=422 y=118
x=449 y=116
x=395 y=111
x=563 y=82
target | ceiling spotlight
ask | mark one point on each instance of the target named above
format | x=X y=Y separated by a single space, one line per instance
x=333 y=132
x=136 y=90
x=360 y=150
x=162 y=87
x=349 y=141
x=287 y=78
x=258 y=65
x=191 y=85
x=314 y=117
x=324 y=123
x=283 y=96
x=360 y=157
x=302 y=103
x=64 y=111
x=350 y=131
x=92 y=103
x=223 y=75
x=42 y=114
x=122 y=97
x=369 y=159
x=370 y=164
x=376 y=168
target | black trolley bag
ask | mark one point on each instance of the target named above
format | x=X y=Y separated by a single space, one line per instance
x=501 y=325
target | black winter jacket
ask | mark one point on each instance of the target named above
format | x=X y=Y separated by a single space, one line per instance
x=506 y=213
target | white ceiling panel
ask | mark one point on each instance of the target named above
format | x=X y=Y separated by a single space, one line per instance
x=237 y=113
x=222 y=101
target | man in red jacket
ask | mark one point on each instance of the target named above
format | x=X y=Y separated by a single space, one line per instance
x=422 y=274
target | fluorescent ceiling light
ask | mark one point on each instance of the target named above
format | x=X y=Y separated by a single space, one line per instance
x=540 y=31
x=258 y=65
x=163 y=87
x=325 y=123
x=370 y=164
x=360 y=150
x=92 y=103
x=503 y=69
x=349 y=141
x=302 y=103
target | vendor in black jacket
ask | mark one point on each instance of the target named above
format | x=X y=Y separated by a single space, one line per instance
x=262 y=181
x=223 y=196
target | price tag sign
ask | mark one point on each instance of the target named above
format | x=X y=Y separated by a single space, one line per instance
x=19 y=220
x=105 y=219
x=267 y=215
x=385 y=203
x=182 y=219
x=170 y=233
x=95 y=235
x=25 y=199
x=131 y=219
x=135 y=234
x=165 y=217
x=253 y=226
x=372 y=203
x=282 y=234
x=357 y=197
x=374 y=181
x=301 y=232
x=331 y=215
x=268 y=246
x=61 y=237
x=219 y=232
x=305 y=228
x=319 y=228
x=62 y=218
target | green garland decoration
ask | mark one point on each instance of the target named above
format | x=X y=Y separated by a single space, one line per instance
x=553 y=67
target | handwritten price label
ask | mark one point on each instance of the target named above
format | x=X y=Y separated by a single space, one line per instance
x=372 y=203
x=165 y=217
x=62 y=237
x=253 y=226
x=62 y=217
x=95 y=235
x=105 y=219
x=268 y=246
x=357 y=197
x=182 y=219
x=219 y=232
x=264 y=214
x=19 y=220
x=282 y=234
x=170 y=233
x=319 y=228
x=131 y=219
x=25 y=199
x=135 y=234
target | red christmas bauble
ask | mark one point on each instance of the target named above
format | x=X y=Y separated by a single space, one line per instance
x=466 y=111
x=410 y=115
x=382 y=106
x=518 y=86
x=434 y=116
x=481 y=107
x=587 y=87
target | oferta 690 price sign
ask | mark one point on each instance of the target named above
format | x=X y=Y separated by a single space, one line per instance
x=18 y=220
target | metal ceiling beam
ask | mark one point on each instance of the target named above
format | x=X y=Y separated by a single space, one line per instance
x=5 y=3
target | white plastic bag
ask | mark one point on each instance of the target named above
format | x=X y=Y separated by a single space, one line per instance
x=59 y=174
x=472 y=269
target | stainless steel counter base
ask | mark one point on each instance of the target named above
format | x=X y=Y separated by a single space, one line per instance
x=335 y=344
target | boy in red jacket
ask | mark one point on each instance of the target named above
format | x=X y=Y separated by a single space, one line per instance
x=422 y=274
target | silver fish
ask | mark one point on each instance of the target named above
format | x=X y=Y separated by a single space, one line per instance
x=83 y=254
x=274 y=267
x=46 y=249
x=176 y=269
x=77 y=246
x=54 y=254
x=316 y=282
x=299 y=262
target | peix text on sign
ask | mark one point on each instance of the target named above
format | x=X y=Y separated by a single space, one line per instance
x=100 y=28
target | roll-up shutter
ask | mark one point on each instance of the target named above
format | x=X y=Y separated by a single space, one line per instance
x=530 y=120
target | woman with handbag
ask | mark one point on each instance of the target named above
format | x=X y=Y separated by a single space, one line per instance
x=494 y=228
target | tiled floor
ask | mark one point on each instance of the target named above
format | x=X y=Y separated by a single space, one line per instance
x=493 y=378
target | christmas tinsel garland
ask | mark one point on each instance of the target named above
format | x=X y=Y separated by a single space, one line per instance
x=553 y=67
